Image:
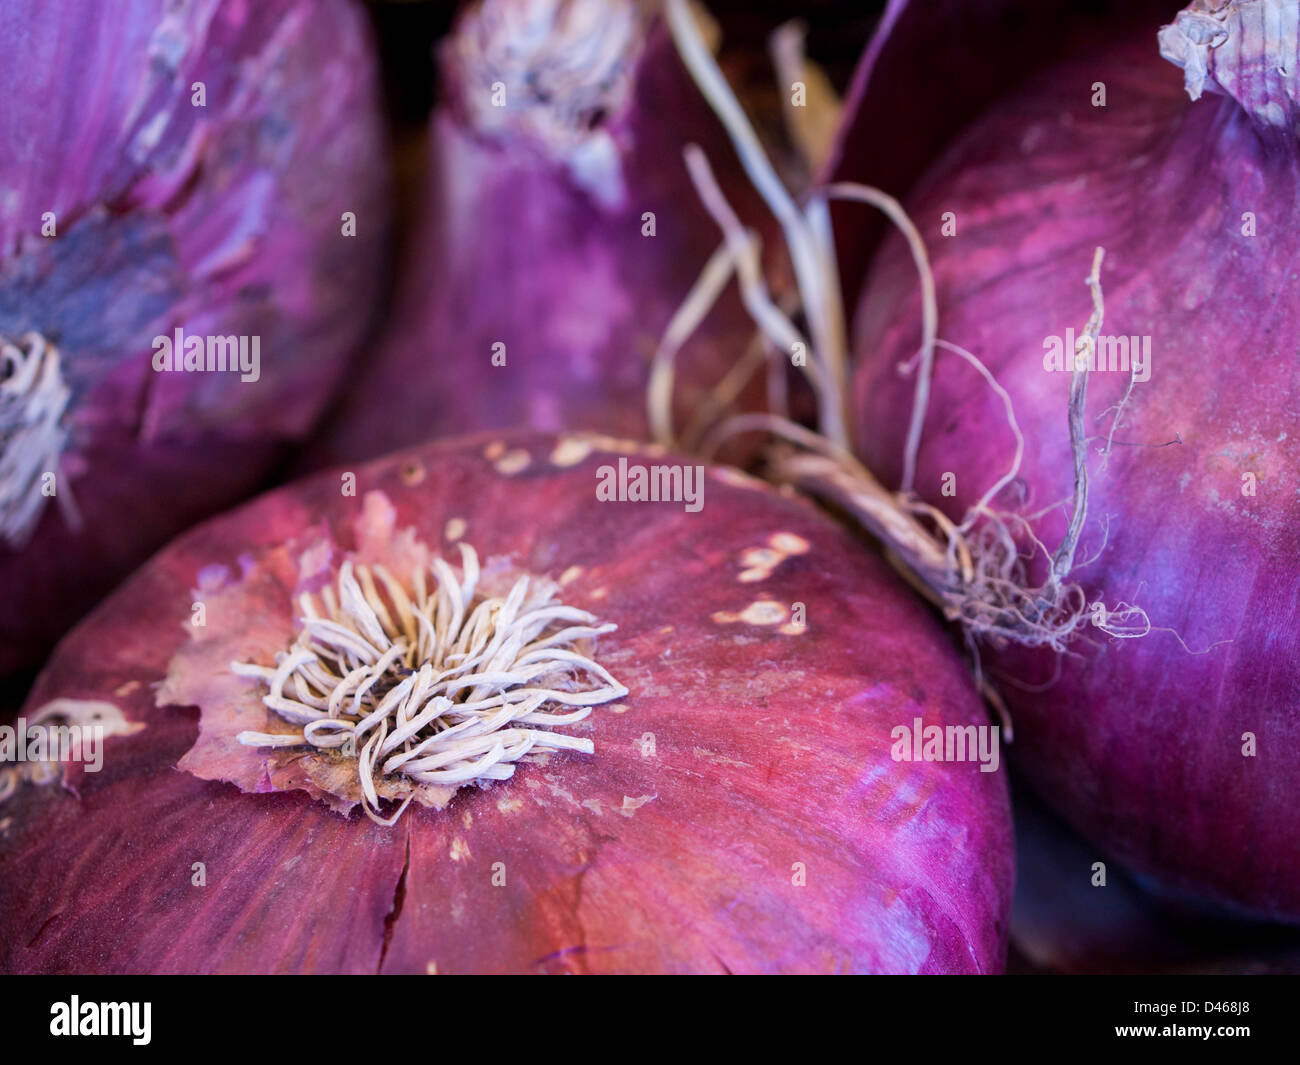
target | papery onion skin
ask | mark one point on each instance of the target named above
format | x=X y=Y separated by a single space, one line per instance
x=768 y=751
x=532 y=249
x=220 y=215
x=1143 y=745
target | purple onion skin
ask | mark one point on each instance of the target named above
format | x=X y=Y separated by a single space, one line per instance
x=1065 y=921
x=770 y=749
x=898 y=117
x=513 y=250
x=1139 y=743
x=224 y=219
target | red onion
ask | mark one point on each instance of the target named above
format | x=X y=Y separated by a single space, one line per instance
x=1076 y=913
x=168 y=167
x=560 y=234
x=987 y=47
x=1173 y=751
x=732 y=802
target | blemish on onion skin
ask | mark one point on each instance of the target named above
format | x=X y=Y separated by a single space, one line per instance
x=510 y=806
x=313 y=563
x=570 y=575
x=789 y=543
x=459 y=849
x=667 y=629
x=760 y=562
x=413 y=472
x=618 y=708
x=600 y=593
x=714 y=758
x=467 y=819
x=762 y=612
x=123 y=690
x=431 y=968
x=494 y=450
x=513 y=462
x=149 y=136
x=594 y=806
x=795 y=746
x=631 y=805
x=454 y=529
x=570 y=451
x=563 y=793
x=84 y=713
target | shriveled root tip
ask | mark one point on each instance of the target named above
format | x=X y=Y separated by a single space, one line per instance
x=433 y=686
x=976 y=573
x=997 y=601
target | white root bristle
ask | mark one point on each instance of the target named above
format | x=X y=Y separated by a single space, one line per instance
x=33 y=400
x=434 y=685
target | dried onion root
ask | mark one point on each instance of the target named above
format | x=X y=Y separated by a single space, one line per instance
x=976 y=572
x=434 y=685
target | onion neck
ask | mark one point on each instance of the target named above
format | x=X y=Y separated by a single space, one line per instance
x=1247 y=50
x=550 y=76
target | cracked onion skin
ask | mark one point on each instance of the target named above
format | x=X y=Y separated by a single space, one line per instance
x=520 y=244
x=1139 y=743
x=769 y=749
x=224 y=219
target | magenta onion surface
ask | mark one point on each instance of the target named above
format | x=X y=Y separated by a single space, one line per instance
x=1173 y=751
x=560 y=234
x=168 y=167
x=731 y=802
